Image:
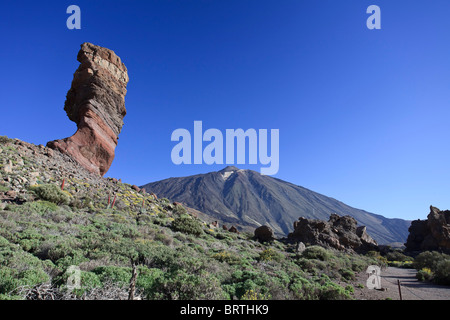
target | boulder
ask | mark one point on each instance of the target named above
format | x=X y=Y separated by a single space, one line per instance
x=11 y=194
x=96 y=103
x=8 y=167
x=300 y=247
x=264 y=234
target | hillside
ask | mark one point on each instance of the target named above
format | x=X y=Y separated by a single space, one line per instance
x=247 y=198
x=55 y=216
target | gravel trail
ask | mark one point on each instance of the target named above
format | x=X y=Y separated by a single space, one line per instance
x=411 y=288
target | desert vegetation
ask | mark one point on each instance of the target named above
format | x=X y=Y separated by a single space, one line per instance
x=54 y=216
x=433 y=266
x=177 y=255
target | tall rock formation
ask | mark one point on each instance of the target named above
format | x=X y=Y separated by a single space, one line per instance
x=430 y=234
x=96 y=103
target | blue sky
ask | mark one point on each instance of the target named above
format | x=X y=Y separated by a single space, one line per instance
x=363 y=114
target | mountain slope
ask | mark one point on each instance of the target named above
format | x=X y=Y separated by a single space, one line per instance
x=247 y=198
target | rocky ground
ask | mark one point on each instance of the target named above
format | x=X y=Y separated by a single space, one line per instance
x=23 y=165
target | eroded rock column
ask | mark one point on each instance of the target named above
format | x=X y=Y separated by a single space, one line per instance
x=96 y=103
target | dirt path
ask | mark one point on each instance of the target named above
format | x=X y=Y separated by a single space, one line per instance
x=411 y=288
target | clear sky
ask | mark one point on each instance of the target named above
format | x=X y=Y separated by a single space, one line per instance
x=363 y=114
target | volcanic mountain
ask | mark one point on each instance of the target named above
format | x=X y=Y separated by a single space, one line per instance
x=248 y=199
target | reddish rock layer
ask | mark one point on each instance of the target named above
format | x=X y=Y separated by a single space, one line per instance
x=96 y=103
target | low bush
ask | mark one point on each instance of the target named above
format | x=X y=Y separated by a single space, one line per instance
x=4 y=139
x=424 y=275
x=332 y=291
x=227 y=257
x=270 y=254
x=181 y=285
x=117 y=275
x=188 y=225
x=436 y=266
x=39 y=207
x=442 y=272
x=317 y=252
x=397 y=256
x=347 y=274
x=52 y=193
x=428 y=259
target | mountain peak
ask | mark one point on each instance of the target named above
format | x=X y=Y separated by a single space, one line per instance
x=229 y=169
x=249 y=200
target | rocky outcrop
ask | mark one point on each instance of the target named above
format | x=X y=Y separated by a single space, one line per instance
x=96 y=103
x=430 y=234
x=338 y=232
x=264 y=234
x=233 y=229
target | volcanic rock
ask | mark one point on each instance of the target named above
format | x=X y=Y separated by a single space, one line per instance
x=430 y=234
x=96 y=103
x=264 y=234
x=233 y=229
x=339 y=233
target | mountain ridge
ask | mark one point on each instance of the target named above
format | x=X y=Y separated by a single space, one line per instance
x=249 y=199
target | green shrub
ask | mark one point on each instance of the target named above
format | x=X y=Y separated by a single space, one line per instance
x=397 y=256
x=424 y=274
x=333 y=291
x=187 y=224
x=89 y=281
x=181 y=285
x=33 y=276
x=11 y=279
x=270 y=254
x=304 y=289
x=148 y=280
x=225 y=256
x=377 y=258
x=347 y=274
x=317 y=252
x=253 y=295
x=435 y=263
x=4 y=139
x=349 y=289
x=65 y=254
x=164 y=238
x=359 y=264
x=427 y=259
x=52 y=193
x=39 y=207
x=118 y=275
x=180 y=210
x=401 y=264
x=442 y=272
x=8 y=280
